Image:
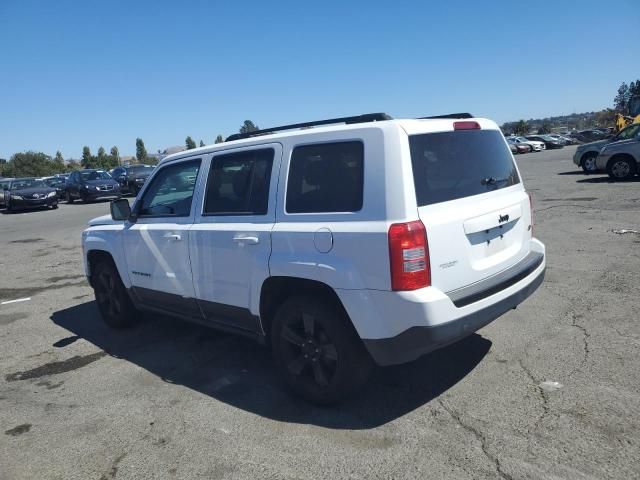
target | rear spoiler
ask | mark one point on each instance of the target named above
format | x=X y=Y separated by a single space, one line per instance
x=448 y=115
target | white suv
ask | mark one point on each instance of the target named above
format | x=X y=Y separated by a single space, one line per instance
x=339 y=243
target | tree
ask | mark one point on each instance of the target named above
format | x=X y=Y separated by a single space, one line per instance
x=29 y=164
x=58 y=162
x=545 y=128
x=189 y=142
x=248 y=126
x=622 y=98
x=141 y=152
x=72 y=165
x=87 y=159
x=102 y=154
x=201 y=143
x=115 y=155
x=521 y=128
x=219 y=139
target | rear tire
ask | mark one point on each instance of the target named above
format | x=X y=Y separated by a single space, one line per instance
x=621 y=168
x=112 y=298
x=317 y=350
x=588 y=162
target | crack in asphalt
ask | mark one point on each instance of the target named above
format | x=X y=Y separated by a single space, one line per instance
x=541 y=393
x=480 y=437
x=585 y=342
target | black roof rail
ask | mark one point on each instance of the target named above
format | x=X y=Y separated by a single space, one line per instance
x=449 y=115
x=365 y=118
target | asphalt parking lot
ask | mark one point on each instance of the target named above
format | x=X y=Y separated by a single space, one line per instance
x=550 y=390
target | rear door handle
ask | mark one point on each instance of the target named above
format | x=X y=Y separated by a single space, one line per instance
x=172 y=236
x=248 y=239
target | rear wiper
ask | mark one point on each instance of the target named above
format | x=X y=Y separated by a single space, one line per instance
x=493 y=180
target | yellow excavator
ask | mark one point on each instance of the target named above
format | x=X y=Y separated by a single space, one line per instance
x=623 y=121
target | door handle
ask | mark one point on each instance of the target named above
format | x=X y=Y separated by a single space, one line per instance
x=248 y=239
x=172 y=236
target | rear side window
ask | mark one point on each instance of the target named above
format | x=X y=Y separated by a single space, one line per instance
x=463 y=163
x=326 y=178
x=238 y=183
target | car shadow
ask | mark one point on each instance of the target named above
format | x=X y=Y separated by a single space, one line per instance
x=607 y=179
x=239 y=372
x=573 y=172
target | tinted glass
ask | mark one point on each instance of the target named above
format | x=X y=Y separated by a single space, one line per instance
x=238 y=183
x=326 y=177
x=628 y=132
x=452 y=165
x=21 y=183
x=171 y=192
x=94 y=175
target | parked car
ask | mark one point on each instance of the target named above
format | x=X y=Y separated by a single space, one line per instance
x=535 y=145
x=284 y=236
x=4 y=191
x=621 y=159
x=550 y=143
x=88 y=185
x=132 y=177
x=522 y=147
x=28 y=193
x=58 y=183
x=586 y=154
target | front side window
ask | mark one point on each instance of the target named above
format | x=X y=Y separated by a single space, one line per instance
x=238 y=183
x=326 y=178
x=170 y=193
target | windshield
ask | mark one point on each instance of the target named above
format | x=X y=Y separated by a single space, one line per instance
x=452 y=165
x=54 y=182
x=21 y=183
x=94 y=175
x=522 y=139
x=628 y=132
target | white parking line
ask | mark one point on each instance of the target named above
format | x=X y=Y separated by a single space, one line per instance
x=16 y=300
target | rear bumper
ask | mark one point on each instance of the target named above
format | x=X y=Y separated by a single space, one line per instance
x=398 y=327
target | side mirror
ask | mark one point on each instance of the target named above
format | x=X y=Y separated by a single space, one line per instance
x=120 y=209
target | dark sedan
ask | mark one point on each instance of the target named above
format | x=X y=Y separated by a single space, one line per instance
x=57 y=183
x=549 y=141
x=28 y=193
x=89 y=185
x=132 y=177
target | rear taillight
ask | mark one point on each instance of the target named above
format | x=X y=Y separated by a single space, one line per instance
x=531 y=209
x=466 y=126
x=409 y=256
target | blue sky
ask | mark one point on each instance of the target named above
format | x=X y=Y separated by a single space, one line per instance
x=103 y=73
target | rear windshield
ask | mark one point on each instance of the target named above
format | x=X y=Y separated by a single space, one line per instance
x=452 y=165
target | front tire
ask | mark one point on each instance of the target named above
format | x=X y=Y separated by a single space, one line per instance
x=588 y=162
x=317 y=351
x=621 y=168
x=112 y=298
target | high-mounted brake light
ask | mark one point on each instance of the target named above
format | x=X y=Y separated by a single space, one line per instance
x=409 y=256
x=466 y=126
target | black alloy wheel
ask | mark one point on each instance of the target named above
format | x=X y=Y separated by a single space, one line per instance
x=317 y=350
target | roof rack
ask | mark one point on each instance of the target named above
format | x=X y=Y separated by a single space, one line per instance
x=449 y=115
x=367 y=117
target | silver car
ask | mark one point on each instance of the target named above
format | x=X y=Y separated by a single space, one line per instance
x=621 y=159
x=585 y=155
